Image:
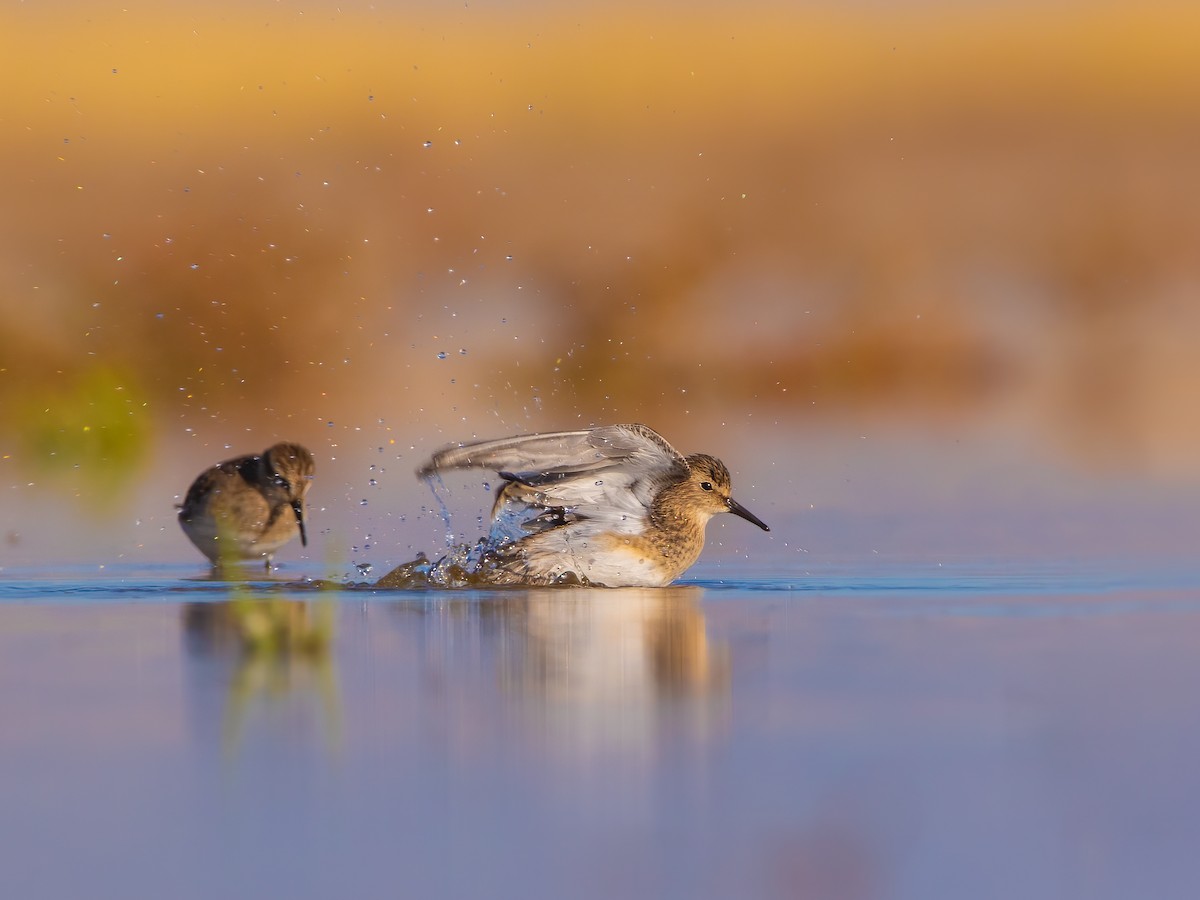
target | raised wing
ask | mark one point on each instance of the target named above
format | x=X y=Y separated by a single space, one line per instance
x=605 y=471
x=532 y=458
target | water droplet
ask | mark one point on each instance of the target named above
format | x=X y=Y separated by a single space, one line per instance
x=372 y=482
x=362 y=502
x=364 y=569
x=427 y=144
x=442 y=355
x=462 y=351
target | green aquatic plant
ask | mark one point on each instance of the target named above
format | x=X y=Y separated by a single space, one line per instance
x=90 y=427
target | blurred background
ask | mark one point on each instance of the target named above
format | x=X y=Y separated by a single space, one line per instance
x=924 y=274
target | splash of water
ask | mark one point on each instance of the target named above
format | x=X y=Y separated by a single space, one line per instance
x=437 y=487
x=475 y=565
x=462 y=567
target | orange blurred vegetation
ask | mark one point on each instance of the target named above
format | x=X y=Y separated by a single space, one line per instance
x=230 y=213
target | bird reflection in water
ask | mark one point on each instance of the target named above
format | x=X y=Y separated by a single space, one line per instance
x=591 y=672
x=280 y=655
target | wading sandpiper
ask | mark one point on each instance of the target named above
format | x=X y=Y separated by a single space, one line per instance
x=250 y=506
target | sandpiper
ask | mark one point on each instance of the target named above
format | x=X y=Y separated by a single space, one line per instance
x=250 y=506
x=615 y=506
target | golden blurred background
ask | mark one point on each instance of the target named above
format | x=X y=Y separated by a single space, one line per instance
x=376 y=229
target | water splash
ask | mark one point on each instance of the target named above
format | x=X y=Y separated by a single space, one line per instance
x=457 y=569
x=437 y=486
x=489 y=561
x=466 y=566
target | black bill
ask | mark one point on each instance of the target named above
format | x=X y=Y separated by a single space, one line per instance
x=738 y=510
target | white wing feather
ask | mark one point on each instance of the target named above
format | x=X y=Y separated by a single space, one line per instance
x=611 y=473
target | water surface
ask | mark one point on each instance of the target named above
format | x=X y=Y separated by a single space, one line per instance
x=963 y=731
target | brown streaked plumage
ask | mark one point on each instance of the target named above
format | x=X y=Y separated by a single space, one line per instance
x=250 y=506
x=616 y=505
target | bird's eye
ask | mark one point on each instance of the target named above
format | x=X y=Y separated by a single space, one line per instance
x=706 y=485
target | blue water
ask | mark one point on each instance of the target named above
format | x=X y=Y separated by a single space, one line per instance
x=850 y=731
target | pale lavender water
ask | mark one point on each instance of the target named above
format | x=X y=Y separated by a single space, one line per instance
x=885 y=731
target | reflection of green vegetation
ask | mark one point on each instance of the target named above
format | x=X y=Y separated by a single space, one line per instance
x=276 y=627
x=95 y=424
x=283 y=650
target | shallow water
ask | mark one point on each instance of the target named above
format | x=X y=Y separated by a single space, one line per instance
x=902 y=732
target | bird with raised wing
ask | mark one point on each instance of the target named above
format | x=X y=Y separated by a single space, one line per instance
x=616 y=506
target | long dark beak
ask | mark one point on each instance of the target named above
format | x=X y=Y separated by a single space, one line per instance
x=738 y=510
x=298 y=509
